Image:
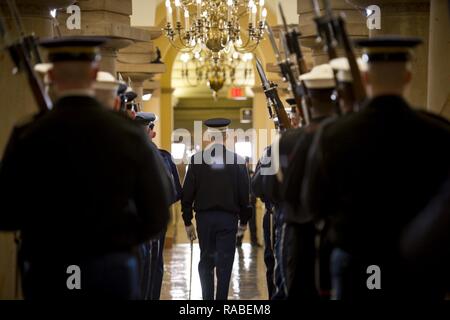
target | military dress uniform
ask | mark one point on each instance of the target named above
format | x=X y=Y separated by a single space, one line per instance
x=216 y=187
x=424 y=244
x=85 y=172
x=369 y=174
x=152 y=251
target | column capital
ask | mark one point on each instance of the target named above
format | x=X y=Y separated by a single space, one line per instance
x=167 y=90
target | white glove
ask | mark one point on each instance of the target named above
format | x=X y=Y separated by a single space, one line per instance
x=241 y=230
x=190 y=231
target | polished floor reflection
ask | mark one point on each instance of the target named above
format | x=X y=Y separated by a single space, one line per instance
x=247 y=279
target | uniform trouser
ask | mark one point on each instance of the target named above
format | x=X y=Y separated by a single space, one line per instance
x=217 y=237
x=252 y=227
x=301 y=259
x=157 y=266
x=145 y=257
x=269 y=258
x=110 y=276
x=280 y=257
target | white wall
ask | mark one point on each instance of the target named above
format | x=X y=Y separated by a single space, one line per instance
x=289 y=8
x=144 y=12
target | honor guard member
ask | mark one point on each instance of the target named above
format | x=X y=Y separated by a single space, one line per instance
x=344 y=84
x=106 y=86
x=156 y=267
x=293 y=113
x=320 y=83
x=216 y=187
x=252 y=222
x=107 y=90
x=303 y=281
x=370 y=173
x=85 y=171
x=130 y=106
x=268 y=229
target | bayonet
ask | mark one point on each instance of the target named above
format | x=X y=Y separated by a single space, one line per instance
x=262 y=74
x=316 y=8
x=273 y=43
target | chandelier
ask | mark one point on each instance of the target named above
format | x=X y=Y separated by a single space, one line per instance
x=216 y=70
x=215 y=25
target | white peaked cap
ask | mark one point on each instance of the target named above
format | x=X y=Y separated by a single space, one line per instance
x=342 y=68
x=320 y=77
x=106 y=81
x=43 y=67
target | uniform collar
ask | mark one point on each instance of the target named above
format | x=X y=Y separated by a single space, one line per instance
x=80 y=100
x=77 y=93
x=391 y=102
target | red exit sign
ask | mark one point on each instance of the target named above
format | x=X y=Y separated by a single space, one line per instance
x=237 y=93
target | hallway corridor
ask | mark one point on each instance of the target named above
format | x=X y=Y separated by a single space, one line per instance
x=247 y=279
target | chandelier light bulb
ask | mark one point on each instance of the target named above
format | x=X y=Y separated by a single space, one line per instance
x=186 y=19
x=254 y=10
x=184 y=57
x=264 y=15
x=169 y=15
x=216 y=26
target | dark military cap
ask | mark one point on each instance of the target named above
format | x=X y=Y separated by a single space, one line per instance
x=146 y=118
x=130 y=96
x=291 y=101
x=217 y=124
x=388 y=48
x=73 y=48
x=122 y=88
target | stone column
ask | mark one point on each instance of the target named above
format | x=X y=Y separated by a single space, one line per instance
x=355 y=23
x=109 y=19
x=261 y=120
x=134 y=62
x=408 y=18
x=18 y=102
x=438 y=59
x=166 y=117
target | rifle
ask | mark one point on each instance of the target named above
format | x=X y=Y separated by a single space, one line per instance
x=359 y=91
x=338 y=25
x=273 y=99
x=325 y=31
x=293 y=43
x=22 y=52
x=286 y=70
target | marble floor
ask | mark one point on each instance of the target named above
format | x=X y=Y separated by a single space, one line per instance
x=247 y=280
